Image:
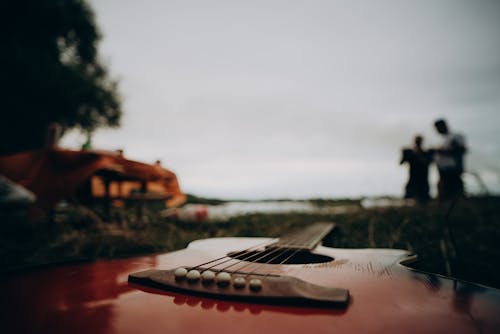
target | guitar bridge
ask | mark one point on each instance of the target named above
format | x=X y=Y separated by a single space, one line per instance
x=275 y=289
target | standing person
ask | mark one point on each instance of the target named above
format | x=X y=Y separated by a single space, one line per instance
x=419 y=160
x=449 y=159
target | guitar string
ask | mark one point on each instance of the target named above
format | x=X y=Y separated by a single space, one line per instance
x=316 y=240
x=283 y=249
x=291 y=255
x=238 y=257
x=250 y=257
x=269 y=273
x=253 y=258
x=310 y=239
x=244 y=252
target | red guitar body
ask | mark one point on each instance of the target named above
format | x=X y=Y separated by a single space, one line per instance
x=384 y=297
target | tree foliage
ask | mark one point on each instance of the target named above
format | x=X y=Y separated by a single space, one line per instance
x=52 y=72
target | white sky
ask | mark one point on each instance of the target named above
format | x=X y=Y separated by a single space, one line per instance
x=266 y=99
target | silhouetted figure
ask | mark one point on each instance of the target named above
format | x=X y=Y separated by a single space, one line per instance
x=449 y=160
x=419 y=160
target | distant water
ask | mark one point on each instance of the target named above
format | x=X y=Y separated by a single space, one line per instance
x=232 y=209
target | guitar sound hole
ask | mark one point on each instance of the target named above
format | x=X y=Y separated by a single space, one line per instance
x=281 y=256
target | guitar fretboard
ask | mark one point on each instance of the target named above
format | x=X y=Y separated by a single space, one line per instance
x=307 y=238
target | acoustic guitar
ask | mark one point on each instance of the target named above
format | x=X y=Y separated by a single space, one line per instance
x=248 y=285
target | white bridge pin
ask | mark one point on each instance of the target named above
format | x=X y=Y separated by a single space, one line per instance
x=255 y=284
x=193 y=275
x=180 y=273
x=239 y=282
x=223 y=278
x=207 y=276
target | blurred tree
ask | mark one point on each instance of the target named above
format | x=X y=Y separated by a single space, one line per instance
x=51 y=72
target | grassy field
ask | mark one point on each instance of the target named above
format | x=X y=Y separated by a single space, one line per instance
x=466 y=244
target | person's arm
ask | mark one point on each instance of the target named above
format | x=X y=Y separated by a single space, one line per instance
x=404 y=156
x=458 y=145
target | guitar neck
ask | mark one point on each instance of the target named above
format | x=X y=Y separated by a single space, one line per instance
x=306 y=239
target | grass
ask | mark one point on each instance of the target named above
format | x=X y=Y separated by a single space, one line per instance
x=466 y=244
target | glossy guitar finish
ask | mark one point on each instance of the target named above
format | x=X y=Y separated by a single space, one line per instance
x=385 y=297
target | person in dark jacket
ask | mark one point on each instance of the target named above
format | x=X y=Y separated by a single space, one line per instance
x=418 y=160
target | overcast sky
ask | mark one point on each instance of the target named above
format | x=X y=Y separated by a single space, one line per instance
x=267 y=99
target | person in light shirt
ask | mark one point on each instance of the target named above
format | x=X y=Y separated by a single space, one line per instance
x=449 y=159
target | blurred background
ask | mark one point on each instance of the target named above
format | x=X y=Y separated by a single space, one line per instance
x=109 y=105
x=294 y=99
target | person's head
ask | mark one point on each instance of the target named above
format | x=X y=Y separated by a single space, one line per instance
x=418 y=141
x=441 y=126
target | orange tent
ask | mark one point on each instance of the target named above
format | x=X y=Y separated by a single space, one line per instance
x=54 y=174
